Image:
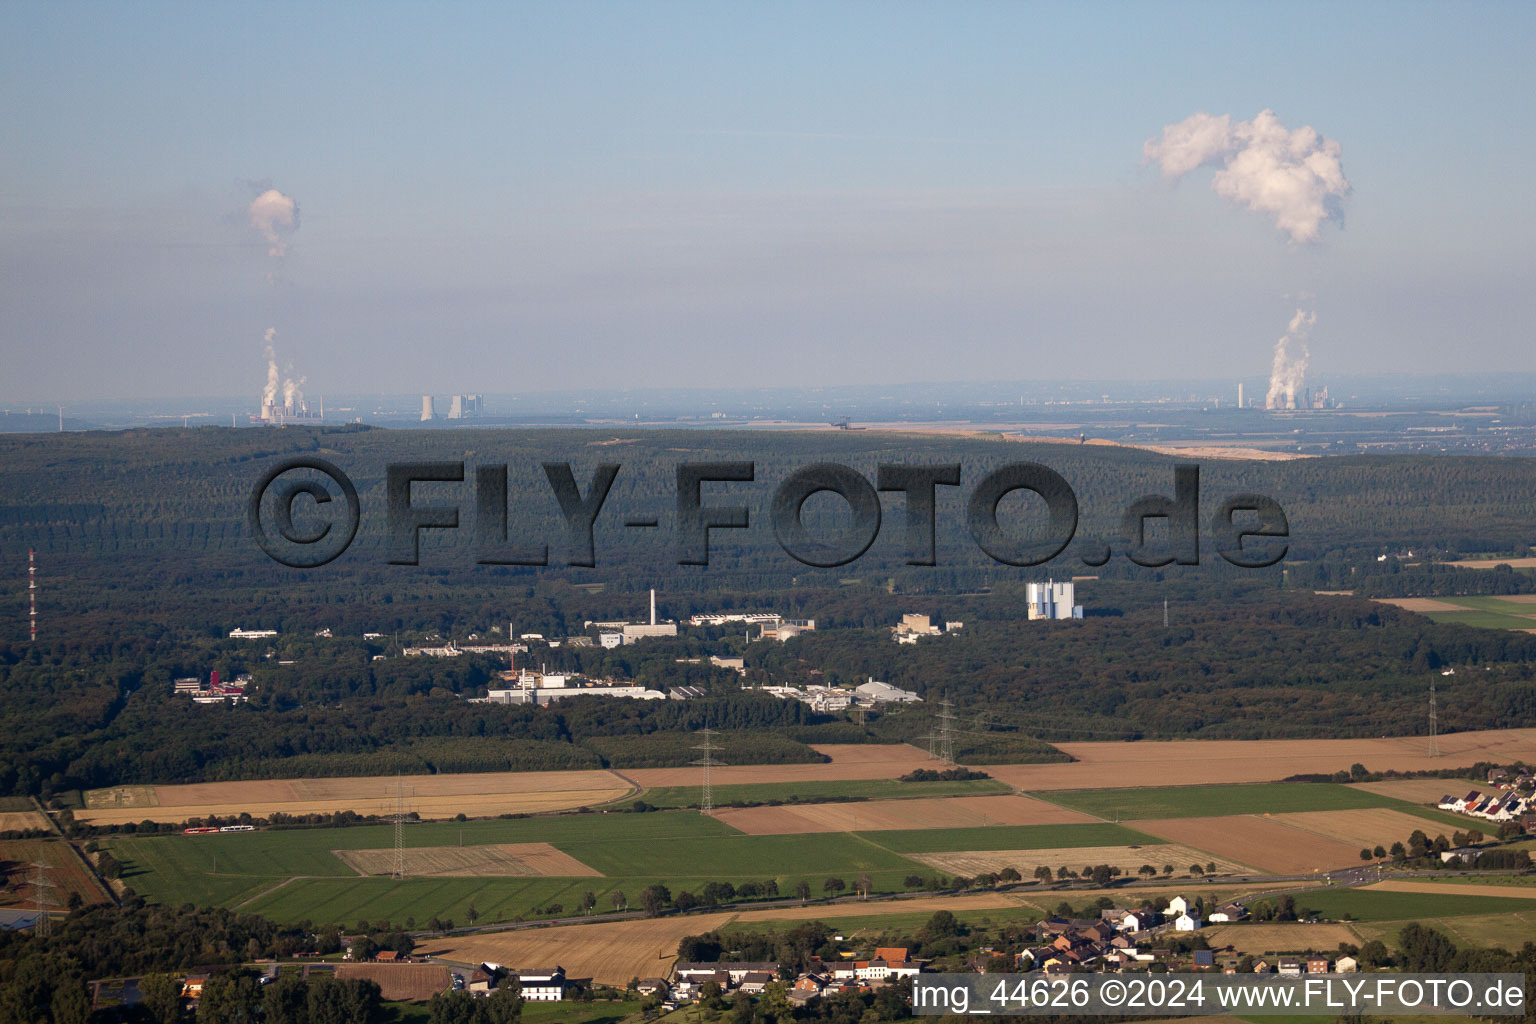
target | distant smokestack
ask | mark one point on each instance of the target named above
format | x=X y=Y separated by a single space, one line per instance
x=427 y=412
x=653 y=606
x=1239 y=394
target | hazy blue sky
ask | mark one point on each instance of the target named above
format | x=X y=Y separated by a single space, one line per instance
x=520 y=197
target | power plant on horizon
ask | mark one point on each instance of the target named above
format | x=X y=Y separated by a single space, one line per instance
x=1306 y=398
x=459 y=407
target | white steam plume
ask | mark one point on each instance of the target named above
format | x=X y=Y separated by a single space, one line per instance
x=276 y=216
x=274 y=377
x=1294 y=176
x=278 y=384
x=1290 y=366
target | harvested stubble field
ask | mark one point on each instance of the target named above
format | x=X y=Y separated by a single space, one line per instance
x=401 y=982
x=1128 y=859
x=1420 y=791
x=886 y=815
x=485 y=860
x=1195 y=762
x=1261 y=841
x=1371 y=826
x=431 y=796
x=609 y=953
x=849 y=761
x=68 y=875
x=20 y=821
x=1260 y=939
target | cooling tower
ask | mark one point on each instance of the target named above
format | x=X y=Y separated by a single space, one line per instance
x=427 y=412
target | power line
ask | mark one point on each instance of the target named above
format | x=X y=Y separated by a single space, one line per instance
x=1434 y=721
x=707 y=761
x=42 y=889
x=946 y=732
x=32 y=592
x=399 y=871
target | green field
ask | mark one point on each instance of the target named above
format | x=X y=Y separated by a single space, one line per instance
x=1008 y=837
x=812 y=791
x=295 y=875
x=1487 y=612
x=1405 y=906
x=1504 y=931
x=1216 y=800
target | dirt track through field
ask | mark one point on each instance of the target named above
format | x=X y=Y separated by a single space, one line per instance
x=1258 y=840
x=881 y=815
x=1198 y=762
x=488 y=860
x=1128 y=859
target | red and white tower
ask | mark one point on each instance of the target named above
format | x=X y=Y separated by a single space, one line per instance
x=32 y=592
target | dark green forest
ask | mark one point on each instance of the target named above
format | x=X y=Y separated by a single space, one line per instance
x=146 y=561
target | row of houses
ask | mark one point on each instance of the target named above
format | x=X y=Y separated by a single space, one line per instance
x=887 y=964
x=1506 y=806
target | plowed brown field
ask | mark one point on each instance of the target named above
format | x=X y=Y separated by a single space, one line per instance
x=1254 y=839
x=483 y=861
x=409 y=982
x=879 y=815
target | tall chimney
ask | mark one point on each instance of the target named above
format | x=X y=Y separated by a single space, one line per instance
x=1239 y=394
x=653 y=606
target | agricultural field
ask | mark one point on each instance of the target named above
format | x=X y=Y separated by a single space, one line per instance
x=1102 y=765
x=1127 y=858
x=1007 y=837
x=1420 y=791
x=882 y=815
x=1292 y=937
x=21 y=821
x=1215 y=800
x=1381 y=905
x=1512 y=611
x=68 y=875
x=1481 y=885
x=477 y=794
x=609 y=952
x=1506 y=931
x=1371 y=826
x=823 y=789
x=1260 y=841
x=401 y=982
x=485 y=859
x=849 y=761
